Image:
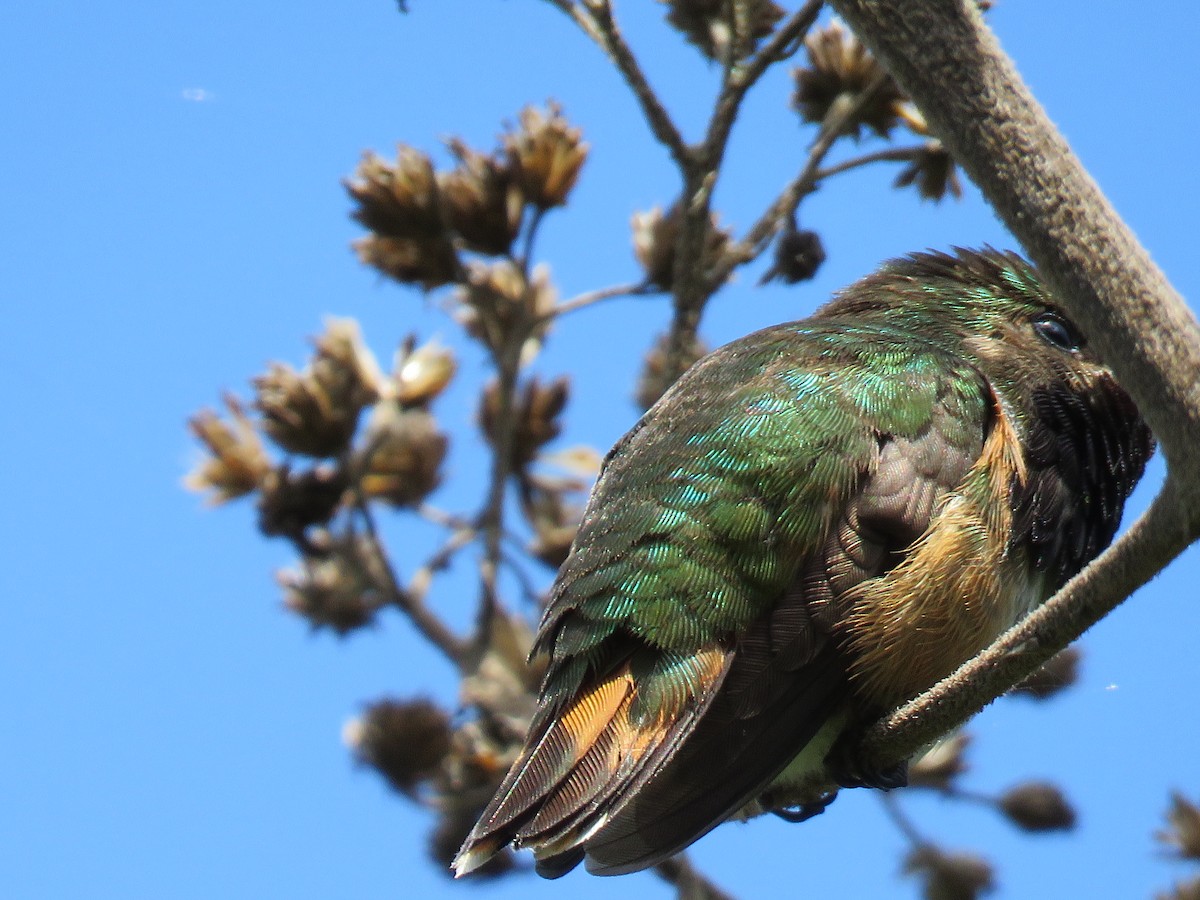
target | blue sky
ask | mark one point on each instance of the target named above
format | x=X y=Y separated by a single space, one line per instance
x=173 y=220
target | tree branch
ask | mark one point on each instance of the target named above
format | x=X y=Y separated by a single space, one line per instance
x=598 y=23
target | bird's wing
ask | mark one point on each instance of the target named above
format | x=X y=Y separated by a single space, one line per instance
x=691 y=630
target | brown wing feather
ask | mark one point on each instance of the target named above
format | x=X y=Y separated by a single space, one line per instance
x=564 y=784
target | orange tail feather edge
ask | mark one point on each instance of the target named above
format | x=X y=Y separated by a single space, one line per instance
x=580 y=767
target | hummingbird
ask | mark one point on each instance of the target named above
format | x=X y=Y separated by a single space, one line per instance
x=814 y=524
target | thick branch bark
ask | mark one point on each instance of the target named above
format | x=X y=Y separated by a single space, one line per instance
x=941 y=53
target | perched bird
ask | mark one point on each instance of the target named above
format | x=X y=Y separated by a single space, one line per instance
x=815 y=523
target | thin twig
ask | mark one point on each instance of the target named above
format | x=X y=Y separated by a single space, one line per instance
x=433 y=628
x=418 y=585
x=783 y=43
x=598 y=23
x=689 y=882
x=891 y=806
x=895 y=154
x=588 y=298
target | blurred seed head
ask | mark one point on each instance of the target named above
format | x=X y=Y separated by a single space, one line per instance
x=404 y=740
x=237 y=463
x=554 y=521
x=1182 y=834
x=941 y=765
x=428 y=263
x=422 y=373
x=1057 y=674
x=400 y=199
x=338 y=586
x=655 y=237
x=1183 y=890
x=711 y=27
x=290 y=502
x=401 y=454
x=536 y=411
x=498 y=300
x=933 y=173
x=545 y=154
x=949 y=876
x=655 y=376
x=482 y=201
x=1037 y=806
x=315 y=413
x=798 y=256
x=840 y=68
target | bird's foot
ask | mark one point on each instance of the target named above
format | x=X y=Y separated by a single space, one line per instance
x=846 y=769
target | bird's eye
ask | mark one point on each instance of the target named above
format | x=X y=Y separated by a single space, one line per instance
x=1055 y=330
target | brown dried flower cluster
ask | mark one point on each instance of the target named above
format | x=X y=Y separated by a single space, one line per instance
x=712 y=25
x=546 y=154
x=340 y=585
x=315 y=412
x=237 y=464
x=536 y=416
x=341 y=580
x=949 y=876
x=1183 y=832
x=932 y=172
x=1057 y=674
x=1037 y=806
x=840 y=70
x=497 y=300
x=420 y=219
x=401 y=458
x=656 y=236
x=941 y=765
x=400 y=203
x=482 y=200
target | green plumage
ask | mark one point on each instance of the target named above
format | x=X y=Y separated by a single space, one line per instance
x=933 y=453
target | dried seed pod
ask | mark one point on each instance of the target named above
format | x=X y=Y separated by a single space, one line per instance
x=339 y=586
x=711 y=26
x=933 y=173
x=290 y=502
x=428 y=263
x=1183 y=832
x=421 y=374
x=237 y=464
x=655 y=237
x=546 y=154
x=949 y=876
x=315 y=412
x=535 y=413
x=482 y=201
x=798 y=256
x=941 y=765
x=400 y=199
x=840 y=68
x=554 y=521
x=404 y=740
x=402 y=454
x=1183 y=890
x=497 y=300
x=1037 y=806
x=1055 y=675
